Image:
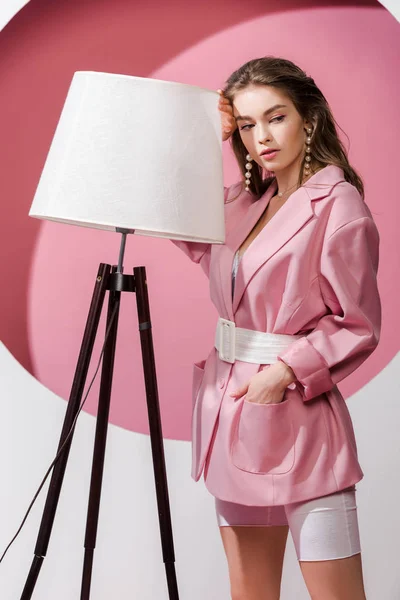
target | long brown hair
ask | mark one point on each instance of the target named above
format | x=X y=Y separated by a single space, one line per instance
x=310 y=103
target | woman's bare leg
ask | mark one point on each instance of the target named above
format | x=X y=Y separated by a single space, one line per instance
x=255 y=560
x=339 y=579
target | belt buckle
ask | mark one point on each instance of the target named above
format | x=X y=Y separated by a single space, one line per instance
x=227 y=337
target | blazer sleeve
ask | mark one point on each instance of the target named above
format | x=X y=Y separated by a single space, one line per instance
x=200 y=252
x=344 y=338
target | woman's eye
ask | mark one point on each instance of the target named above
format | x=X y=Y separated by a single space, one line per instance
x=277 y=119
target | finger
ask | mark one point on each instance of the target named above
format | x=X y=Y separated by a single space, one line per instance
x=239 y=391
x=226 y=119
x=227 y=116
x=223 y=98
x=228 y=126
x=226 y=110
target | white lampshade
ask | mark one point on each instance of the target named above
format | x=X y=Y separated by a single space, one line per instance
x=138 y=154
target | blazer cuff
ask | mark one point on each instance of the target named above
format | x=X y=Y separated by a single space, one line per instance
x=309 y=367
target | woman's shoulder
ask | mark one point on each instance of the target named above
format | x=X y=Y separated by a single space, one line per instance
x=346 y=205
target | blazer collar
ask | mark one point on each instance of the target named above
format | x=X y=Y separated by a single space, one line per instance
x=293 y=214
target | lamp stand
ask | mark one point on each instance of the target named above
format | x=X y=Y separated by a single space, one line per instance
x=113 y=280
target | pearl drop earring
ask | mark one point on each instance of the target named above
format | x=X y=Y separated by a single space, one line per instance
x=249 y=166
x=307 y=166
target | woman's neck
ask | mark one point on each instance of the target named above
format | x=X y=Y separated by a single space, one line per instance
x=288 y=182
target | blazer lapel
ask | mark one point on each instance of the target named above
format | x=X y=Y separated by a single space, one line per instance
x=286 y=222
x=289 y=219
x=234 y=241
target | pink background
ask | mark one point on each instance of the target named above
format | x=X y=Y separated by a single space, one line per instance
x=49 y=271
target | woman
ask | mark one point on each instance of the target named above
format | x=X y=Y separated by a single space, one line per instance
x=295 y=287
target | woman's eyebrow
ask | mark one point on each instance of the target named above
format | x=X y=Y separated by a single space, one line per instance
x=266 y=113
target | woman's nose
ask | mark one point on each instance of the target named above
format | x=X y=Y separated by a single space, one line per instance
x=264 y=137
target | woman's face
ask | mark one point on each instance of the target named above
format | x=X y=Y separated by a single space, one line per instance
x=268 y=120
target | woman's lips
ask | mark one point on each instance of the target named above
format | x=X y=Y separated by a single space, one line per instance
x=269 y=155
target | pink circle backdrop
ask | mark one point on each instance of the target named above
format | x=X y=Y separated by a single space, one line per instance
x=42 y=47
x=360 y=49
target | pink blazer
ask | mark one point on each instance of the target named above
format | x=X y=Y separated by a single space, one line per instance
x=312 y=269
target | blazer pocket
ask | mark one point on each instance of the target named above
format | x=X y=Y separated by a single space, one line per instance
x=263 y=438
x=198 y=374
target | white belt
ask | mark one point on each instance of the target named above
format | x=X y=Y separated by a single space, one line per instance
x=235 y=343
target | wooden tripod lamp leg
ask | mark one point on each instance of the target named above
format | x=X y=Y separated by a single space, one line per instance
x=156 y=437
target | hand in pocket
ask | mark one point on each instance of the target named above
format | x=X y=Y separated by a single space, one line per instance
x=267 y=386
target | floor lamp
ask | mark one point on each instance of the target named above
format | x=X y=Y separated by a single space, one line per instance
x=131 y=155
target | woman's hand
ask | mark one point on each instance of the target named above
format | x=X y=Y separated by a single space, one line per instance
x=267 y=386
x=228 y=122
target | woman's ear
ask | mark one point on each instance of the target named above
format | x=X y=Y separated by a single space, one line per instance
x=310 y=123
